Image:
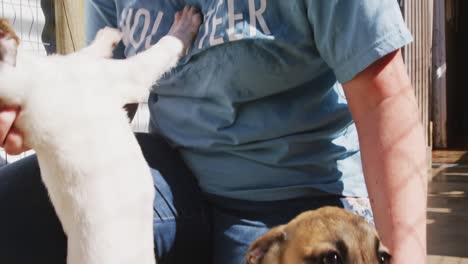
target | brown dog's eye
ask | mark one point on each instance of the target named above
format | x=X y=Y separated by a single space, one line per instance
x=384 y=258
x=330 y=258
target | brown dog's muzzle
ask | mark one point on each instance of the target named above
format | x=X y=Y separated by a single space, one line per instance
x=329 y=235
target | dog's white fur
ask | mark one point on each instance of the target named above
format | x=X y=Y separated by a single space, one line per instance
x=72 y=116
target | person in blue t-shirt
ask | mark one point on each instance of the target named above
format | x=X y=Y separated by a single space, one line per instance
x=269 y=114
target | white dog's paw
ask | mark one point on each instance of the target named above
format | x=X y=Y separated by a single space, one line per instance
x=104 y=43
x=186 y=25
x=108 y=37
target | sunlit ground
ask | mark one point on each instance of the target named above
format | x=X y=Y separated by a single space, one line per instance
x=448 y=209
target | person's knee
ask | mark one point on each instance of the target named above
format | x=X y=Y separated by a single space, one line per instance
x=30 y=229
x=182 y=240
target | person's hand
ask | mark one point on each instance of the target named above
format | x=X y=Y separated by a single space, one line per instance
x=11 y=138
x=186 y=25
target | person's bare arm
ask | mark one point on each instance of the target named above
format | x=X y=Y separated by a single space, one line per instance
x=383 y=106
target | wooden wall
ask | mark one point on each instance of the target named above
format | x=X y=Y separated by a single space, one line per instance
x=69 y=15
x=418 y=55
x=439 y=96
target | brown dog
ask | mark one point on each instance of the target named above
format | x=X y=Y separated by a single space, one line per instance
x=329 y=235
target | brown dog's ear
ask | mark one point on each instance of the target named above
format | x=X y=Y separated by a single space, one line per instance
x=263 y=244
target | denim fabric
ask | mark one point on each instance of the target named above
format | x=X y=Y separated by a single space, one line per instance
x=29 y=229
x=189 y=227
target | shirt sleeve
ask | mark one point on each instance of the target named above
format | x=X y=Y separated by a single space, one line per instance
x=99 y=14
x=352 y=34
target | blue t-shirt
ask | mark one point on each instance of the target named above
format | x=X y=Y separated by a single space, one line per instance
x=256 y=107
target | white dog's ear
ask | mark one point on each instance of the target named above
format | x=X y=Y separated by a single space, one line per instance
x=265 y=245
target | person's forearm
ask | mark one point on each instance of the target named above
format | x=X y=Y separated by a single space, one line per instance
x=394 y=162
x=393 y=152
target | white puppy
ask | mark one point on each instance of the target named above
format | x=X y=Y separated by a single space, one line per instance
x=92 y=166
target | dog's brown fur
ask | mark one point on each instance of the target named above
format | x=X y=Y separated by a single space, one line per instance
x=6 y=29
x=7 y=32
x=327 y=235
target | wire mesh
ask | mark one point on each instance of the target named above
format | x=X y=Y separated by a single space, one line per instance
x=28 y=20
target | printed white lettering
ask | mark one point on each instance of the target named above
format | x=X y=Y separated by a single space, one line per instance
x=130 y=24
x=257 y=15
x=207 y=18
x=233 y=17
x=157 y=22
x=216 y=21
x=125 y=25
x=146 y=21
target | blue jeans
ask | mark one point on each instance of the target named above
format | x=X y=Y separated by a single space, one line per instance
x=189 y=226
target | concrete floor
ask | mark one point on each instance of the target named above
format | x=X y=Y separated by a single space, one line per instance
x=448 y=213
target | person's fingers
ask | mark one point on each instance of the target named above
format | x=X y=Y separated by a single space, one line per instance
x=7 y=118
x=197 y=18
x=177 y=16
x=14 y=143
